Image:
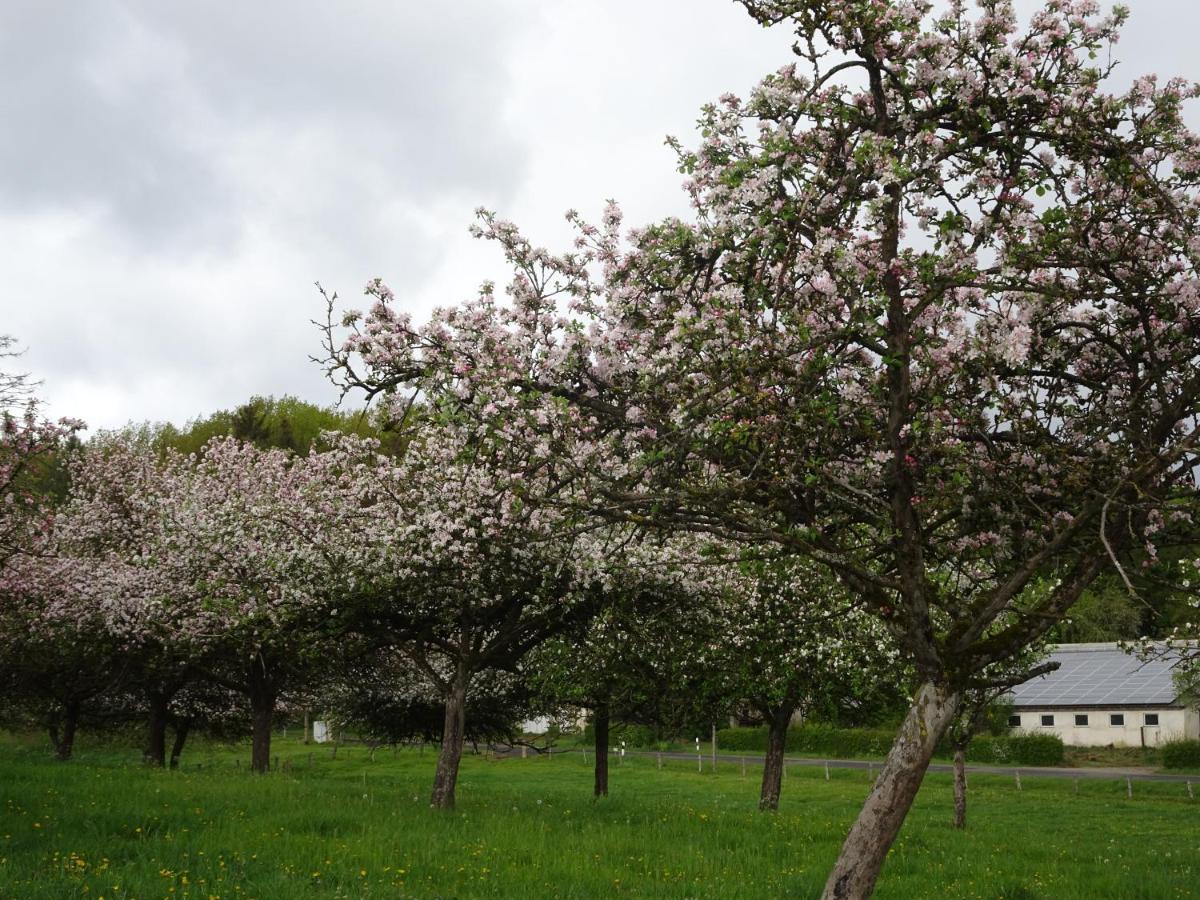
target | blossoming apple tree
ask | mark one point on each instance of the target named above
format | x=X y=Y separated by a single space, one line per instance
x=57 y=657
x=637 y=661
x=934 y=326
x=222 y=566
x=788 y=640
x=109 y=532
x=30 y=447
x=481 y=555
x=260 y=541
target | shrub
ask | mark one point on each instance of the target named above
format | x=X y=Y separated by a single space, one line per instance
x=1181 y=754
x=826 y=740
x=1017 y=750
x=750 y=739
x=811 y=739
x=1036 y=749
x=641 y=737
x=848 y=743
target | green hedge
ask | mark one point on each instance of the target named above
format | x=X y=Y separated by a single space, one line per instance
x=848 y=743
x=820 y=740
x=1016 y=750
x=1181 y=754
x=641 y=737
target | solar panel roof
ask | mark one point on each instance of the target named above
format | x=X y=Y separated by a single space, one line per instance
x=1099 y=675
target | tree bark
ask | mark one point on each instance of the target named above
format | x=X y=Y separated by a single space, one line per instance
x=866 y=847
x=64 y=741
x=772 y=780
x=453 y=732
x=960 y=787
x=262 y=703
x=181 y=735
x=600 y=720
x=155 y=752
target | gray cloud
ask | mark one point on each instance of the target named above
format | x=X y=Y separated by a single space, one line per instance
x=175 y=175
x=155 y=114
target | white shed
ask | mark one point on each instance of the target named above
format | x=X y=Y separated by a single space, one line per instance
x=1101 y=695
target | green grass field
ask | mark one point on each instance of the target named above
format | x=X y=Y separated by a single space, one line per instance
x=103 y=826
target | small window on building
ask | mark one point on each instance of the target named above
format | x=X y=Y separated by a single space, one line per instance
x=1014 y=721
x=1116 y=719
x=1047 y=721
x=1081 y=720
x=1151 y=718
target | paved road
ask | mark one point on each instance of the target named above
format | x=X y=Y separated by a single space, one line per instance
x=1009 y=771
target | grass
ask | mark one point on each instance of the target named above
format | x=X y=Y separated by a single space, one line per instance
x=103 y=826
x=1113 y=757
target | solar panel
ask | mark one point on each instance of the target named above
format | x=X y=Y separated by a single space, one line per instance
x=1099 y=675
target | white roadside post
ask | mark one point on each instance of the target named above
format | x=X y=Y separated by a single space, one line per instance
x=699 y=758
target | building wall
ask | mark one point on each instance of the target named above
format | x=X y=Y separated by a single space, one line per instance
x=1172 y=723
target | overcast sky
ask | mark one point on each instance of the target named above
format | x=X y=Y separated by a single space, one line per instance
x=175 y=176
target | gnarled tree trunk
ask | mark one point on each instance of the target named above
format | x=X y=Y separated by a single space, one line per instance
x=182 y=727
x=262 y=693
x=865 y=849
x=64 y=740
x=960 y=787
x=453 y=733
x=155 y=752
x=600 y=721
x=772 y=779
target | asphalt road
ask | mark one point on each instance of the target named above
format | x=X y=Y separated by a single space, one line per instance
x=1009 y=771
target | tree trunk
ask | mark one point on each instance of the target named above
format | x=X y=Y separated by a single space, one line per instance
x=155 y=753
x=262 y=703
x=181 y=735
x=960 y=787
x=866 y=847
x=453 y=732
x=64 y=741
x=772 y=780
x=600 y=721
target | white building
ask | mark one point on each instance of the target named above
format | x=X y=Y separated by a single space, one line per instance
x=1100 y=695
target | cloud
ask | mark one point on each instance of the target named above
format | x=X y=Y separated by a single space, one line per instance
x=174 y=176
x=176 y=121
